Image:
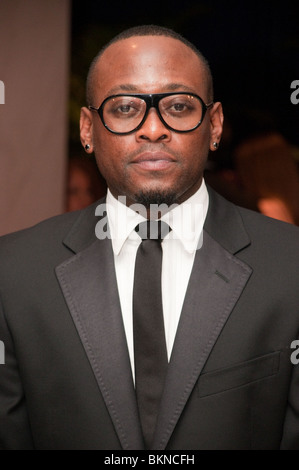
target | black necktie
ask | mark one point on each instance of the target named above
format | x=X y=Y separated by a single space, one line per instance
x=150 y=354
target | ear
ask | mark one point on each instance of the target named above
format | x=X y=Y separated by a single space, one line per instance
x=86 y=129
x=216 y=125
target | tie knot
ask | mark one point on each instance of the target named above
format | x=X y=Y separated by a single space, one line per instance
x=153 y=230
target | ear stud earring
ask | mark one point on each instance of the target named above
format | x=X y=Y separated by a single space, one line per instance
x=215 y=145
x=87 y=147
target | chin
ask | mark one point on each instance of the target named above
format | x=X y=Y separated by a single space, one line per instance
x=148 y=197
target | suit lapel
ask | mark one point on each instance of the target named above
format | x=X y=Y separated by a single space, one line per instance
x=216 y=283
x=89 y=285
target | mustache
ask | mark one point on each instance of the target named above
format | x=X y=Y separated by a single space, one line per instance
x=149 y=147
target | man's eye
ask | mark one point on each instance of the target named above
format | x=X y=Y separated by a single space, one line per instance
x=179 y=107
x=125 y=108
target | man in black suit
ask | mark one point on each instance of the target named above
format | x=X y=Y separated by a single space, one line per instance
x=229 y=281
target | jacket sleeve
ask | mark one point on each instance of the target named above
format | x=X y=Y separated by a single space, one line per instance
x=15 y=431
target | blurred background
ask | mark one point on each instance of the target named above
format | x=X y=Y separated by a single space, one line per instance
x=253 y=51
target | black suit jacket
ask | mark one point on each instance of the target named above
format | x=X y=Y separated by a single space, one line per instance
x=66 y=382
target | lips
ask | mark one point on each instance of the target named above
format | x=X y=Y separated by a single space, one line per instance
x=154 y=161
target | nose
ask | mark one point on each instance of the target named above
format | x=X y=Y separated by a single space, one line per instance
x=153 y=129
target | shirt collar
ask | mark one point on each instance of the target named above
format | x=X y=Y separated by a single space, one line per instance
x=122 y=221
x=186 y=220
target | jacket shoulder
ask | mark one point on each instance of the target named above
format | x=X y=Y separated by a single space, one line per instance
x=45 y=230
x=261 y=226
x=45 y=240
x=236 y=228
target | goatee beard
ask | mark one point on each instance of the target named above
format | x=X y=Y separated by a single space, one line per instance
x=155 y=197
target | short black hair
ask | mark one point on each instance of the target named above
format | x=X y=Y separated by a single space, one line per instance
x=147 y=30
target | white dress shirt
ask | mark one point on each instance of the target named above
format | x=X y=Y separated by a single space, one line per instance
x=179 y=247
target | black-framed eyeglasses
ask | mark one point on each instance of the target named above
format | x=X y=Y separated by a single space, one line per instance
x=179 y=112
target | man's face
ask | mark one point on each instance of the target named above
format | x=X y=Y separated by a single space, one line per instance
x=153 y=161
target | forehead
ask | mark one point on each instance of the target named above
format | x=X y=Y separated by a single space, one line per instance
x=148 y=64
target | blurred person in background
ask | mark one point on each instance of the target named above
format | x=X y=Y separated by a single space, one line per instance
x=85 y=184
x=266 y=173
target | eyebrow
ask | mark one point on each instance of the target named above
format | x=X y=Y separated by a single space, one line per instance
x=130 y=88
